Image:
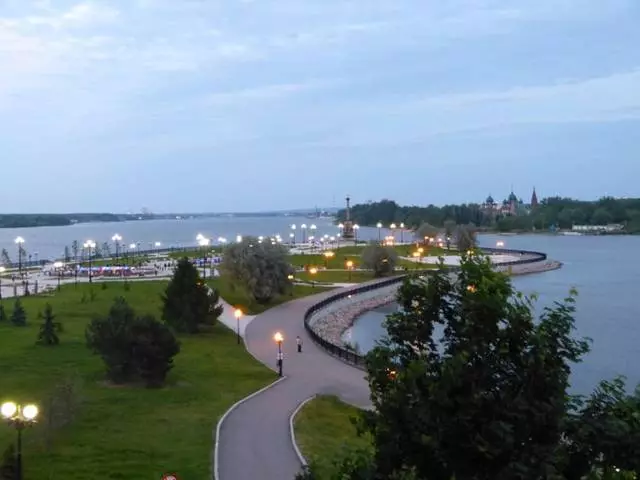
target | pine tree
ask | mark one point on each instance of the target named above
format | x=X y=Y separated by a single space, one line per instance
x=49 y=329
x=3 y=314
x=19 y=315
x=187 y=302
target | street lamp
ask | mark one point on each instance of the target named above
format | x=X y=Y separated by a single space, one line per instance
x=416 y=255
x=58 y=266
x=349 y=267
x=20 y=418
x=393 y=231
x=356 y=227
x=340 y=228
x=279 y=338
x=204 y=242
x=19 y=241
x=293 y=234
x=402 y=233
x=116 y=240
x=327 y=256
x=379 y=225
x=157 y=245
x=303 y=227
x=132 y=247
x=238 y=315
x=500 y=244
x=2 y=270
x=90 y=245
x=313 y=271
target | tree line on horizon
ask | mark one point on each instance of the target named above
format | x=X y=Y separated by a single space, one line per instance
x=558 y=212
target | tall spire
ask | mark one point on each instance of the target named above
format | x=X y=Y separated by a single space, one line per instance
x=534 y=198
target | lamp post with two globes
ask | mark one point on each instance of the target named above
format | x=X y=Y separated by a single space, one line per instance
x=90 y=245
x=116 y=240
x=20 y=418
x=279 y=338
x=379 y=226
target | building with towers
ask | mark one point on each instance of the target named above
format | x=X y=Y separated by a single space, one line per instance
x=510 y=206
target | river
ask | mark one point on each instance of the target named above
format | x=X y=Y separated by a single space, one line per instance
x=49 y=242
x=604 y=269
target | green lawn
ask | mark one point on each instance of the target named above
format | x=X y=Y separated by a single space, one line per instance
x=195 y=253
x=239 y=298
x=120 y=432
x=323 y=428
x=336 y=276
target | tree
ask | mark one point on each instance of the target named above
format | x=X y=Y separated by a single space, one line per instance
x=489 y=400
x=465 y=238
x=187 y=301
x=9 y=467
x=132 y=347
x=6 y=260
x=261 y=268
x=3 y=314
x=154 y=347
x=426 y=230
x=601 y=217
x=381 y=259
x=49 y=329
x=19 y=315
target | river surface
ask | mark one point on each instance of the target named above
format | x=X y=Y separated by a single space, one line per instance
x=606 y=272
x=49 y=242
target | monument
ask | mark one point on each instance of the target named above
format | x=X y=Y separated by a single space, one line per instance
x=347 y=225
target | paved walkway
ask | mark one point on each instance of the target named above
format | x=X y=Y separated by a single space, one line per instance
x=254 y=439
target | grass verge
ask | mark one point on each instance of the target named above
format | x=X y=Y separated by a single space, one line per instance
x=239 y=298
x=118 y=432
x=323 y=429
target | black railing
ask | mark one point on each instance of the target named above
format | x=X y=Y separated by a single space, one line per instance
x=355 y=358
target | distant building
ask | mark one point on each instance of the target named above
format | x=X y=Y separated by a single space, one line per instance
x=510 y=206
x=613 y=227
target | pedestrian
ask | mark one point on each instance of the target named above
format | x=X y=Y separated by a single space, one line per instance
x=299 y=344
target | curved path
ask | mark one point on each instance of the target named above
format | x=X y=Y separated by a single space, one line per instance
x=254 y=440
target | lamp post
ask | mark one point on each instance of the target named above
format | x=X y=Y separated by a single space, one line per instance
x=416 y=255
x=90 y=245
x=327 y=256
x=349 y=267
x=290 y=277
x=293 y=233
x=356 y=227
x=2 y=270
x=278 y=339
x=313 y=271
x=393 y=227
x=58 y=266
x=157 y=245
x=132 y=248
x=20 y=418
x=402 y=233
x=379 y=225
x=500 y=244
x=116 y=239
x=204 y=243
x=312 y=229
x=19 y=241
x=238 y=315
x=303 y=227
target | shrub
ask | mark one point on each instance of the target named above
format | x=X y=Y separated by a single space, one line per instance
x=19 y=315
x=132 y=347
x=382 y=260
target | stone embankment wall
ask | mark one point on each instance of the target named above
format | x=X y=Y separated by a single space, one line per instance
x=331 y=322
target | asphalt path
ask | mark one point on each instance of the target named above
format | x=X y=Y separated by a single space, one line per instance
x=254 y=439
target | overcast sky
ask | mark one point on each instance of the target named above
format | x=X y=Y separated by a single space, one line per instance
x=242 y=105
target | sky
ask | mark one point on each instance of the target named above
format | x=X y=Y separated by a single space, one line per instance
x=249 y=105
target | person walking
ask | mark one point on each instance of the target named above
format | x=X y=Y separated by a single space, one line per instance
x=299 y=344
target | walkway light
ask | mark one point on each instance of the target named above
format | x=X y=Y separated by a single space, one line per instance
x=20 y=418
x=279 y=339
x=238 y=314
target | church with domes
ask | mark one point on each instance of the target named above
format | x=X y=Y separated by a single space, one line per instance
x=510 y=206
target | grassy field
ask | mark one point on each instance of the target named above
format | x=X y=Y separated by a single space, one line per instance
x=336 y=276
x=119 y=432
x=195 y=253
x=323 y=428
x=239 y=298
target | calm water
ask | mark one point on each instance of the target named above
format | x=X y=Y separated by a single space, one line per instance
x=49 y=242
x=605 y=270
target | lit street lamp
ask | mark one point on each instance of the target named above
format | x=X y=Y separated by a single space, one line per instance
x=238 y=315
x=416 y=255
x=313 y=271
x=157 y=245
x=402 y=233
x=293 y=234
x=20 y=418
x=116 y=240
x=19 y=241
x=132 y=247
x=204 y=243
x=303 y=227
x=379 y=225
x=90 y=245
x=349 y=267
x=500 y=244
x=393 y=227
x=58 y=266
x=279 y=338
x=356 y=227
x=327 y=256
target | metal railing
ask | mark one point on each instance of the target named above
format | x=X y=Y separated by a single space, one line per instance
x=355 y=358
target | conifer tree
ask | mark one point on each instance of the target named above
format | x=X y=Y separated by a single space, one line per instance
x=19 y=315
x=49 y=329
x=187 y=301
x=3 y=313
